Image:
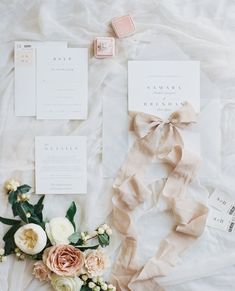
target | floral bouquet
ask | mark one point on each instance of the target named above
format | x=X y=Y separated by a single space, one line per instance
x=65 y=257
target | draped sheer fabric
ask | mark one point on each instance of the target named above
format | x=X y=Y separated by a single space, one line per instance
x=156 y=138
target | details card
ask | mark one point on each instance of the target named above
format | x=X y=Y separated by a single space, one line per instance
x=61 y=164
x=62 y=83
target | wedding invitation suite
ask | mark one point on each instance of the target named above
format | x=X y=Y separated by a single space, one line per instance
x=25 y=74
x=61 y=165
x=62 y=83
x=161 y=87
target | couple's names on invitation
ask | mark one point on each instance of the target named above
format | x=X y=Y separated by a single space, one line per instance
x=163 y=96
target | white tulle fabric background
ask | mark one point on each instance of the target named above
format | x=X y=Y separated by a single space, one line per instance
x=204 y=30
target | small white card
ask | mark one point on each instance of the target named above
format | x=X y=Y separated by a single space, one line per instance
x=62 y=83
x=161 y=87
x=220 y=220
x=25 y=74
x=61 y=164
x=222 y=201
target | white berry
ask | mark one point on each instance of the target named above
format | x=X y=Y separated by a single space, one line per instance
x=100 y=230
x=84 y=277
x=91 y=285
x=23 y=196
x=104 y=286
x=105 y=226
x=3 y=259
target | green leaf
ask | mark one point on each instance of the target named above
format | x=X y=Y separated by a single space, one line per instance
x=84 y=248
x=18 y=210
x=10 y=246
x=71 y=213
x=34 y=219
x=38 y=257
x=12 y=197
x=23 y=189
x=80 y=242
x=11 y=232
x=85 y=288
x=9 y=239
x=40 y=202
x=9 y=221
x=103 y=240
x=27 y=207
x=38 y=208
x=74 y=238
x=14 y=209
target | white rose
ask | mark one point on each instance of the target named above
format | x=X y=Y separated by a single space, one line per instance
x=12 y=185
x=31 y=239
x=58 y=230
x=60 y=283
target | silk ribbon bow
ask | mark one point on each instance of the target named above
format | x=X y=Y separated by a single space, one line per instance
x=161 y=139
x=164 y=134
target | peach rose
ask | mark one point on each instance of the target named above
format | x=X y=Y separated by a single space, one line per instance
x=63 y=260
x=41 y=272
x=95 y=263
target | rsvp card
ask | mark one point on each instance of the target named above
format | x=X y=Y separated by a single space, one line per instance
x=161 y=87
x=61 y=164
x=62 y=83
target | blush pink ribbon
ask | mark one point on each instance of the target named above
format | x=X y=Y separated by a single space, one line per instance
x=156 y=139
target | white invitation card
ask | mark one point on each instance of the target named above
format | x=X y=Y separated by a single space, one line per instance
x=61 y=164
x=115 y=107
x=25 y=74
x=62 y=83
x=161 y=87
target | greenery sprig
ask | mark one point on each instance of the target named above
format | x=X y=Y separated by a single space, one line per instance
x=25 y=212
x=32 y=236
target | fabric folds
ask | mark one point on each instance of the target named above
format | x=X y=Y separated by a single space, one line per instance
x=160 y=139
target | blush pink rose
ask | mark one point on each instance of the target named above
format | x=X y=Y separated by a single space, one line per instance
x=95 y=263
x=63 y=260
x=41 y=272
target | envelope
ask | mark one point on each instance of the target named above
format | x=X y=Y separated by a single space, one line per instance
x=115 y=118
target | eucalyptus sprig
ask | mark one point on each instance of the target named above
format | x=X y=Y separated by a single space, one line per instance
x=101 y=235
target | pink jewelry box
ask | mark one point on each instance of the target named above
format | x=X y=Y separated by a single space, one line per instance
x=123 y=26
x=104 y=47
